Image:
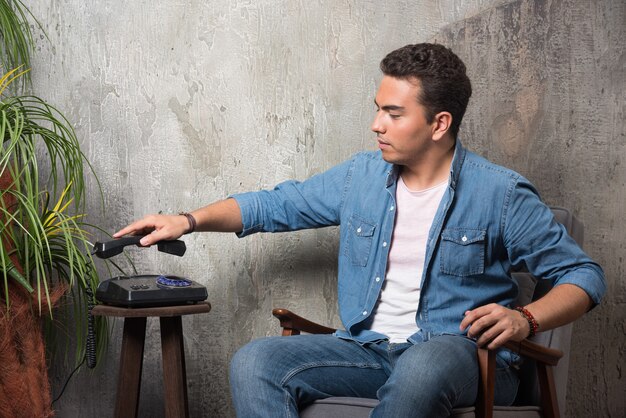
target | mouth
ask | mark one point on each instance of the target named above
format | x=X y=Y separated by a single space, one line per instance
x=382 y=144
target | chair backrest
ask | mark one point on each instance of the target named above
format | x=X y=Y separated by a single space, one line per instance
x=558 y=338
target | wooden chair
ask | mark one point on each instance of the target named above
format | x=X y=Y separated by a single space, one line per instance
x=543 y=379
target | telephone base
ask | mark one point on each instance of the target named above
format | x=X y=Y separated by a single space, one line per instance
x=150 y=290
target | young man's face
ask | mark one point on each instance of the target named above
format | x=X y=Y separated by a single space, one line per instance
x=403 y=134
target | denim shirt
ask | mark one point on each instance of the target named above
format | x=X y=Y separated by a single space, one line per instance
x=490 y=221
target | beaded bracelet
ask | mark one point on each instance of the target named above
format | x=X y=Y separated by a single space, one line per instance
x=532 y=322
x=191 y=220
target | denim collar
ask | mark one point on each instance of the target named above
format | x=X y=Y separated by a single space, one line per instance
x=457 y=163
x=455 y=168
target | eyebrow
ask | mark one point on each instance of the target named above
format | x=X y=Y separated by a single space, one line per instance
x=388 y=108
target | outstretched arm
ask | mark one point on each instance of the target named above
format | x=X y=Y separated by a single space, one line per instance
x=493 y=325
x=222 y=216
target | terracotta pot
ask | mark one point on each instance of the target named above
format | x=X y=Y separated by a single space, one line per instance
x=24 y=384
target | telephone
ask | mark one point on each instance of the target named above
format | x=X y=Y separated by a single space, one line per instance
x=146 y=290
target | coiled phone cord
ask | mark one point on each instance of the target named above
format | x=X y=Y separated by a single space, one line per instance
x=90 y=349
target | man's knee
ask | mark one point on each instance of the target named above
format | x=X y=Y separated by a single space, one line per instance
x=252 y=360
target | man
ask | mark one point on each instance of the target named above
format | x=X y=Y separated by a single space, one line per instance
x=428 y=235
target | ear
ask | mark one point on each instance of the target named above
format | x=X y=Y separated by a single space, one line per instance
x=441 y=125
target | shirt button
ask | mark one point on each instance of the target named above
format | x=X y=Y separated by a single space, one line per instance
x=464 y=238
x=385 y=244
x=391 y=208
x=378 y=279
x=358 y=230
x=364 y=313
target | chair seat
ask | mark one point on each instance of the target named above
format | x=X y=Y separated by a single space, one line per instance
x=346 y=407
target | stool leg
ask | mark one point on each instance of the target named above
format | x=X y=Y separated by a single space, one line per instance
x=174 y=374
x=131 y=363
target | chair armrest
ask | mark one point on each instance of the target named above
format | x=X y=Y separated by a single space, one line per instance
x=545 y=358
x=535 y=351
x=293 y=324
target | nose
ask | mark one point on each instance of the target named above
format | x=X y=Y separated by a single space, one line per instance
x=377 y=123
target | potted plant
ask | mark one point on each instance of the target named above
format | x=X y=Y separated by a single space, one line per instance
x=44 y=248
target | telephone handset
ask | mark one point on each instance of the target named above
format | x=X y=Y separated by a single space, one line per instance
x=108 y=249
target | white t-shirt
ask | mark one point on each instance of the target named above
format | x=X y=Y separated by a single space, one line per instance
x=394 y=313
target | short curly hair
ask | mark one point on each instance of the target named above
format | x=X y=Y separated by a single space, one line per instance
x=444 y=85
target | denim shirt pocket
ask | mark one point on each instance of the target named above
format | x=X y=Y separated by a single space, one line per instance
x=360 y=237
x=463 y=251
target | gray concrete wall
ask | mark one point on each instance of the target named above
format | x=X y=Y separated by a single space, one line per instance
x=181 y=103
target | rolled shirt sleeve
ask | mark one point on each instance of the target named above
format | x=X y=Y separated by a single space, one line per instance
x=534 y=238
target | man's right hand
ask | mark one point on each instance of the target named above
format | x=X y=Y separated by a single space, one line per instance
x=156 y=228
x=221 y=216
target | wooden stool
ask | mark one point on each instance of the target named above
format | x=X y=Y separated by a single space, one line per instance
x=131 y=357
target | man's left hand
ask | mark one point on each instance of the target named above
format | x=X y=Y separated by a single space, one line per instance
x=492 y=325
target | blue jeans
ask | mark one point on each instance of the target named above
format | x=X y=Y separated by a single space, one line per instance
x=276 y=376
